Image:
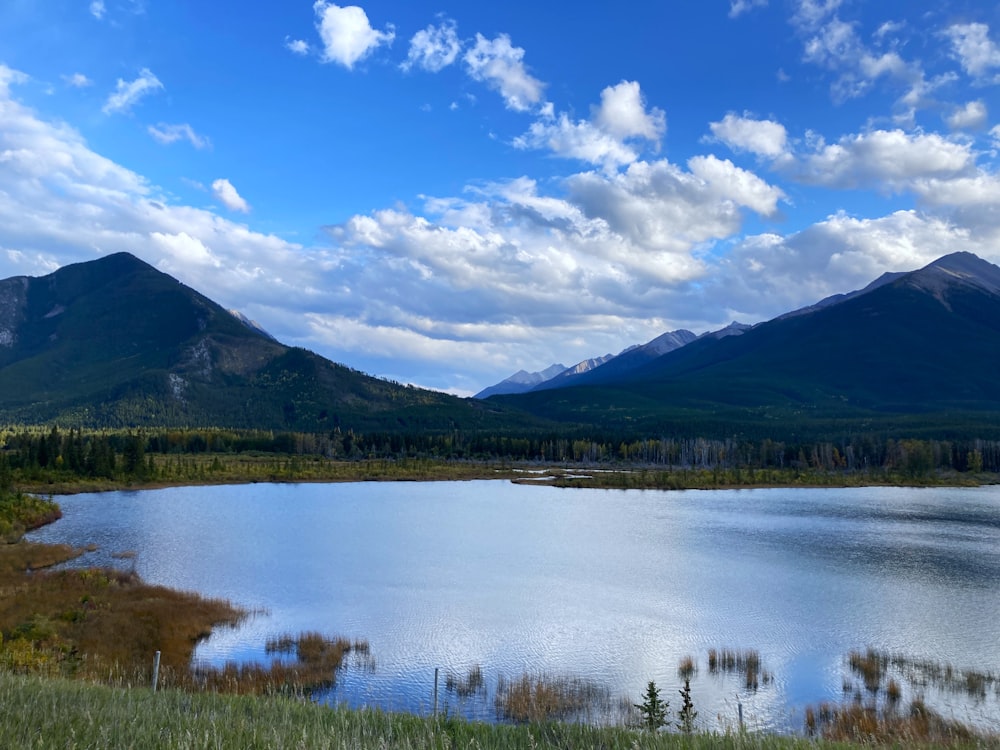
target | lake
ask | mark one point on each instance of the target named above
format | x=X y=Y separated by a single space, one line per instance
x=608 y=586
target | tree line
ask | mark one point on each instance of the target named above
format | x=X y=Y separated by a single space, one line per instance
x=34 y=451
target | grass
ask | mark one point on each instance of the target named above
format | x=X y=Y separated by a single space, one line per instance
x=47 y=713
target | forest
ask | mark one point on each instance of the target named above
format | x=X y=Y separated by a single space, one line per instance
x=39 y=455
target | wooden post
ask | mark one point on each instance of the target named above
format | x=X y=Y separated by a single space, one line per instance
x=156 y=670
x=739 y=707
x=435 y=691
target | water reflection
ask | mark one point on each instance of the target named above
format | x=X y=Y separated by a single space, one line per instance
x=613 y=587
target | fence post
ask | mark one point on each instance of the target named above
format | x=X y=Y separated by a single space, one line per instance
x=436 y=691
x=156 y=670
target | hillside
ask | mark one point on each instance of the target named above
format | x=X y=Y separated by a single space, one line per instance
x=114 y=342
x=919 y=349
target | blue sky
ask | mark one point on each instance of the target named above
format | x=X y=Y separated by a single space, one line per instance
x=444 y=193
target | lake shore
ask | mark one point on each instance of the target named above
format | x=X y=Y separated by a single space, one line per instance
x=218 y=469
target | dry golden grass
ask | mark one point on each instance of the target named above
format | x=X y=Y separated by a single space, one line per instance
x=540 y=698
x=865 y=724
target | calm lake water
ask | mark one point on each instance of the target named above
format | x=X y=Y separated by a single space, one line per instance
x=615 y=587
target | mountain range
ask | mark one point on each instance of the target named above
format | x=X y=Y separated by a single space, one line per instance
x=114 y=342
x=908 y=345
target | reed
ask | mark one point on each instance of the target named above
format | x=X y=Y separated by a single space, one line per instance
x=866 y=724
x=746 y=663
x=687 y=668
x=473 y=683
x=533 y=698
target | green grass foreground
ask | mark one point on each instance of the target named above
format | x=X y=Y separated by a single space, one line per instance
x=51 y=713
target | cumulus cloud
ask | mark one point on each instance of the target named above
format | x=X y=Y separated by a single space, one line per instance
x=607 y=140
x=167 y=134
x=623 y=114
x=225 y=192
x=433 y=48
x=500 y=65
x=760 y=137
x=577 y=140
x=886 y=159
x=348 y=36
x=127 y=93
x=972 y=116
x=973 y=48
x=97 y=9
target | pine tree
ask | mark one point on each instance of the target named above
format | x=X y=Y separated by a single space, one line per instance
x=653 y=709
x=687 y=713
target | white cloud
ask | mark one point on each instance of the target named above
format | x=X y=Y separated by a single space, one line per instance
x=811 y=13
x=606 y=140
x=167 y=134
x=973 y=48
x=223 y=190
x=433 y=48
x=766 y=275
x=77 y=80
x=9 y=76
x=761 y=137
x=836 y=46
x=184 y=249
x=972 y=116
x=886 y=159
x=739 y=7
x=127 y=93
x=500 y=65
x=623 y=114
x=728 y=183
x=577 y=140
x=297 y=46
x=995 y=135
x=347 y=35
x=97 y=9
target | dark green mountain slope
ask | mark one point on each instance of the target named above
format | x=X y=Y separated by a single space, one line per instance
x=115 y=342
x=921 y=349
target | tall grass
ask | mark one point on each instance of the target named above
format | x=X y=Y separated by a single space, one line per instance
x=50 y=713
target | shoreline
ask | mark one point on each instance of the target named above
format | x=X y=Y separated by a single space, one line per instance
x=234 y=469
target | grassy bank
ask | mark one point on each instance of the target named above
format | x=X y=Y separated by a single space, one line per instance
x=40 y=713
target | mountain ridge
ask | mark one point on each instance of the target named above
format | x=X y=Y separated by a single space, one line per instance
x=917 y=343
x=114 y=341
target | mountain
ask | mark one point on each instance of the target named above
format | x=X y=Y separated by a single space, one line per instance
x=611 y=368
x=559 y=376
x=923 y=345
x=114 y=342
x=521 y=381
x=251 y=324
